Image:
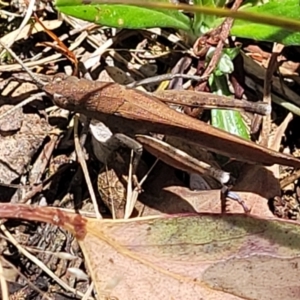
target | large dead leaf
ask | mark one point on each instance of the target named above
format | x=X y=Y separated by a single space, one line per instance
x=208 y=256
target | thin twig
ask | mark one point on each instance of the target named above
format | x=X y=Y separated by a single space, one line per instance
x=3 y=283
x=290 y=179
x=25 y=68
x=272 y=66
x=21 y=104
x=165 y=77
x=81 y=159
x=42 y=161
x=130 y=200
x=136 y=191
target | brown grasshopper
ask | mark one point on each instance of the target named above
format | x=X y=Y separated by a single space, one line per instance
x=128 y=112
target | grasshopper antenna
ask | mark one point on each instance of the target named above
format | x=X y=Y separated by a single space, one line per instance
x=37 y=81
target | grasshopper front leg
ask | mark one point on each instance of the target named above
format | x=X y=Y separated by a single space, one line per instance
x=105 y=143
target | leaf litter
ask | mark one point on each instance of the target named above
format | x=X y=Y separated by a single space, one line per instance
x=179 y=256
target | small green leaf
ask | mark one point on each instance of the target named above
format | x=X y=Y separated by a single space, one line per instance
x=289 y=9
x=228 y=120
x=124 y=16
x=225 y=65
x=232 y=52
x=203 y=22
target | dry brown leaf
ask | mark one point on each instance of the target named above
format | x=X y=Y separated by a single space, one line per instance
x=208 y=256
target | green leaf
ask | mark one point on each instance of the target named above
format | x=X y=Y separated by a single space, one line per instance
x=228 y=120
x=203 y=22
x=224 y=66
x=232 y=52
x=289 y=9
x=290 y=24
x=124 y=16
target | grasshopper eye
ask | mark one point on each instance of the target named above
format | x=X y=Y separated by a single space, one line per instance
x=60 y=100
x=57 y=97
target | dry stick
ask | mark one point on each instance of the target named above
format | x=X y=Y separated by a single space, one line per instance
x=31 y=64
x=130 y=197
x=14 y=186
x=136 y=192
x=81 y=159
x=165 y=77
x=83 y=135
x=3 y=283
x=272 y=66
x=42 y=161
x=181 y=66
x=149 y=171
x=35 y=190
x=290 y=179
x=39 y=83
